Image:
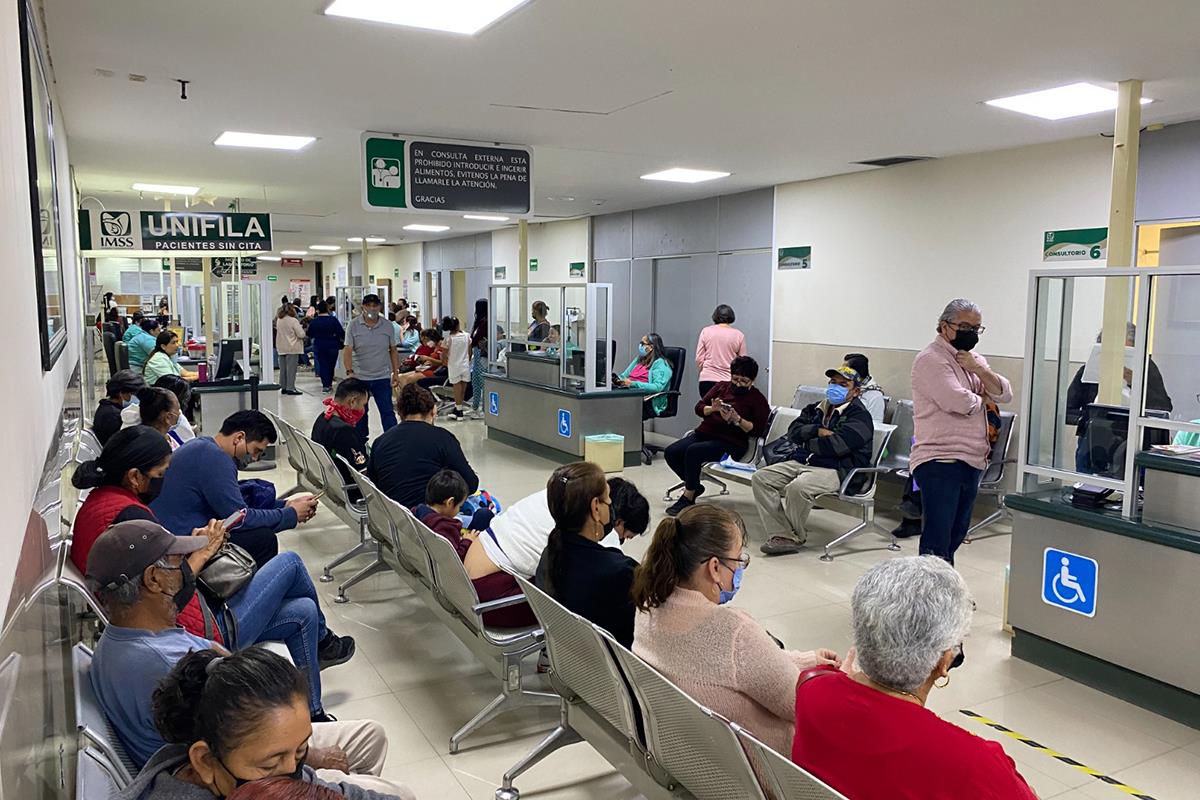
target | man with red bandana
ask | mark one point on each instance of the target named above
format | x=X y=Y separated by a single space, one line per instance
x=334 y=428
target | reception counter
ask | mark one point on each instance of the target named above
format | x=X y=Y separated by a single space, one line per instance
x=1109 y=601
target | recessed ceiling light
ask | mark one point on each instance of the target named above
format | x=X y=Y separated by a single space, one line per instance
x=165 y=188
x=268 y=258
x=1063 y=102
x=486 y=217
x=269 y=141
x=684 y=175
x=370 y=239
x=324 y=247
x=427 y=228
x=293 y=252
x=454 y=16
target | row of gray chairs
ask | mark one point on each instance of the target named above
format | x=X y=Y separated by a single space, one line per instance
x=663 y=741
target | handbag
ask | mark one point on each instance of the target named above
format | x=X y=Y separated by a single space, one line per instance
x=780 y=450
x=226 y=573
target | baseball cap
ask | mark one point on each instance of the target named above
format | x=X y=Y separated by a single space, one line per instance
x=849 y=373
x=124 y=551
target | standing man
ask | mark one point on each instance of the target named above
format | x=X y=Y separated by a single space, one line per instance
x=370 y=355
x=952 y=388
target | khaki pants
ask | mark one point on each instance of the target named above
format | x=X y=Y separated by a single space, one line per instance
x=365 y=745
x=784 y=494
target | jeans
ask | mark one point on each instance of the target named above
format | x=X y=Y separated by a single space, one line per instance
x=381 y=390
x=687 y=455
x=1083 y=458
x=287 y=371
x=261 y=543
x=326 y=358
x=280 y=604
x=948 y=492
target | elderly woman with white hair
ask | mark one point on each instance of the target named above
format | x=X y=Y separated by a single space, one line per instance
x=954 y=393
x=910 y=616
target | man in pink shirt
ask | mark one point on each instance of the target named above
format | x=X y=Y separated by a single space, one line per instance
x=951 y=385
x=719 y=344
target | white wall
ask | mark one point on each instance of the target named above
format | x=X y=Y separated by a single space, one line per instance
x=506 y=252
x=397 y=263
x=27 y=436
x=890 y=247
x=556 y=245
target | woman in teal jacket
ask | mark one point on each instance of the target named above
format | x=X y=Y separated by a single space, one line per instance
x=650 y=372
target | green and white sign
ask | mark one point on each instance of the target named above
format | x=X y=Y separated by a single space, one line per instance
x=272 y=277
x=225 y=266
x=501 y=273
x=533 y=265
x=795 y=258
x=173 y=231
x=1082 y=244
x=383 y=184
x=577 y=269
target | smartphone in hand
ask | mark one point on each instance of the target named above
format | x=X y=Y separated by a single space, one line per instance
x=234 y=519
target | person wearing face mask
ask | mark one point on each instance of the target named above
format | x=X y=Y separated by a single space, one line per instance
x=731 y=413
x=865 y=730
x=586 y=577
x=370 y=355
x=119 y=391
x=952 y=389
x=829 y=439
x=651 y=372
x=159 y=409
x=685 y=629
x=202 y=484
x=227 y=721
x=334 y=427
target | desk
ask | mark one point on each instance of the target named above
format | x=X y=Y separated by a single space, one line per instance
x=1141 y=644
x=528 y=414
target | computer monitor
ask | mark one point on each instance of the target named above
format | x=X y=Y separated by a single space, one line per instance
x=1108 y=434
x=227 y=356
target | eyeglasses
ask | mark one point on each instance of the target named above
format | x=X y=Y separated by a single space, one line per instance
x=742 y=561
x=967 y=328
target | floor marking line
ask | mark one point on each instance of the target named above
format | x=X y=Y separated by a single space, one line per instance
x=1041 y=748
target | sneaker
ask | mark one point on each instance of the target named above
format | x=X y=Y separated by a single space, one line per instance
x=781 y=546
x=456 y=415
x=322 y=716
x=334 y=650
x=678 y=506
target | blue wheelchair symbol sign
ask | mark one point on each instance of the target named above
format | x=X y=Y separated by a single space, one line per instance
x=564 y=423
x=1070 y=581
x=494 y=403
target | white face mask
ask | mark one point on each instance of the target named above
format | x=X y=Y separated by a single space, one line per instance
x=613 y=539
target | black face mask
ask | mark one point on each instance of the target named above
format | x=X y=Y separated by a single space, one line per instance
x=958 y=659
x=296 y=775
x=964 y=340
x=152 y=491
x=739 y=390
x=187 y=589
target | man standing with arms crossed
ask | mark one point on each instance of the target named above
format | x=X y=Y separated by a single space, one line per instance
x=370 y=355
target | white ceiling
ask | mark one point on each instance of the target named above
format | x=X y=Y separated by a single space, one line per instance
x=772 y=91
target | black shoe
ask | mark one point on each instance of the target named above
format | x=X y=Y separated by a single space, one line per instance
x=334 y=650
x=322 y=716
x=678 y=506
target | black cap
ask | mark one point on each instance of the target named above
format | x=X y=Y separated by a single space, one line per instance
x=123 y=552
x=371 y=298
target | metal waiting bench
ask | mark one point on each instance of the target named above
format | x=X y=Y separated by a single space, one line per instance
x=864 y=498
x=715 y=472
x=991 y=483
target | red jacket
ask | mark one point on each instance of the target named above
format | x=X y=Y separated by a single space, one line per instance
x=449 y=528
x=106 y=505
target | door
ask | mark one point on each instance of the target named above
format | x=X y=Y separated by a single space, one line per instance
x=1175 y=347
x=618 y=274
x=685 y=293
x=478 y=281
x=744 y=283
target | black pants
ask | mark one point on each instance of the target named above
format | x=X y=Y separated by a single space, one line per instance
x=648 y=410
x=948 y=491
x=689 y=454
x=706 y=387
x=261 y=543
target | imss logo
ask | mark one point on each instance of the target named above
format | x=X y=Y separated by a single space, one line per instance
x=116 y=229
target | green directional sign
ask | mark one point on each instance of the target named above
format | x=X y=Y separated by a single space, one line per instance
x=795 y=258
x=533 y=265
x=383 y=179
x=1081 y=244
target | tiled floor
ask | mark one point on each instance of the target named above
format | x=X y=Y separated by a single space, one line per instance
x=415 y=677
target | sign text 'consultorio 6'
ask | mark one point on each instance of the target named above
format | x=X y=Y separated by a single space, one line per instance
x=175 y=231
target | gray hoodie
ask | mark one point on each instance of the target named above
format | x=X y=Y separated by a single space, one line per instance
x=156 y=781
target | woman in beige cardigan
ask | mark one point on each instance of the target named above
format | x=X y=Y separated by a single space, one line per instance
x=721 y=656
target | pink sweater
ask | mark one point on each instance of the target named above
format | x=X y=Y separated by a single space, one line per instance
x=726 y=661
x=718 y=346
x=949 y=418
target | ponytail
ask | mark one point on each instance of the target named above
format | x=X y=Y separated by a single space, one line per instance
x=569 y=495
x=680 y=545
x=139 y=447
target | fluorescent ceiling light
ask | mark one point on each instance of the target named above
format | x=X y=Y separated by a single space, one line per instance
x=486 y=217
x=293 y=252
x=454 y=16
x=370 y=239
x=1063 y=102
x=324 y=247
x=684 y=175
x=268 y=258
x=165 y=188
x=427 y=228
x=269 y=141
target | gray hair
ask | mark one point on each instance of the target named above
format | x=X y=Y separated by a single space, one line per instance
x=956 y=307
x=907 y=612
x=125 y=593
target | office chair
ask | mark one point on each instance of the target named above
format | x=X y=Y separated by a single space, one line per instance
x=677 y=357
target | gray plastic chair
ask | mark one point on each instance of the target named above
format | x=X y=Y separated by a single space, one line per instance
x=95 y=731
x=96 y=776
x=502 y=649
x=407 y=545
x=991 y=483
x=864 y=499
x=369 y=542
x=314 y=477
x=899 y=448
x=294 y=457
x=805 y=396
x=782 y=779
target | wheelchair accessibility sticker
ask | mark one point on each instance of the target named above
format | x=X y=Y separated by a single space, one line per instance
x=494 y=403
x=564 y=423
x=1069 y=581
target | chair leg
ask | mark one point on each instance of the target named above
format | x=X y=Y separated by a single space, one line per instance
x=868 y=521
x=512 y=696
x=557 y=739
x=674 y=488
x=1000 y=513
x=718 y=482
x=374 y=568
x=362 y=548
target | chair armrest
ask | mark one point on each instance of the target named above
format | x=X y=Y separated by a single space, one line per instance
x=843 y=490
x=664 y=393
x=503 y=602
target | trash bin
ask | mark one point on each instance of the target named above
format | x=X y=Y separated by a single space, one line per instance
x=605 y=449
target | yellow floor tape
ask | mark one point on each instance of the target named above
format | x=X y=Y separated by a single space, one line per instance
x=1041 y=748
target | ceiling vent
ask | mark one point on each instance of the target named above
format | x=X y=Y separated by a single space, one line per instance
x=892 y=161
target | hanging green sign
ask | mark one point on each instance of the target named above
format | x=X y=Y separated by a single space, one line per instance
x=383 y=184
x=1081 y=244
x=795 y=258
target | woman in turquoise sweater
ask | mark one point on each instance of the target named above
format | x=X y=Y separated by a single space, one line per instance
x=650 y=372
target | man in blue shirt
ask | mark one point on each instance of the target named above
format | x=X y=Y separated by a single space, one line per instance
x=202 y=484
x=141 y=345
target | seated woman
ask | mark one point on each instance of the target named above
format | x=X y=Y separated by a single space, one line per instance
x=720 y=656
x=159 y=409
x=575 y=569
x=429 y=368
x=731 y=413
x=910 y=616
x=650 y=372
x=404 y=458
x=119 y=393
x=279 y=601
x=229 y=720
x=161 y=361
x=410 y=334
x=514 y=541
x=182 y=390
x=444 y=497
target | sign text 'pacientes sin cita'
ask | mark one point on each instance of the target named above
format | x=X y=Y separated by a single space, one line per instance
x=400 y=172
x=174 y=231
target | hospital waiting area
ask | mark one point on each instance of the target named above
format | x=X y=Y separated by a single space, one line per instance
x=558 y=400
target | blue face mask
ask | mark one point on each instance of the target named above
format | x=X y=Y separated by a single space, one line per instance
x=836 y=394
x=726 y=596
x=643 y=350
